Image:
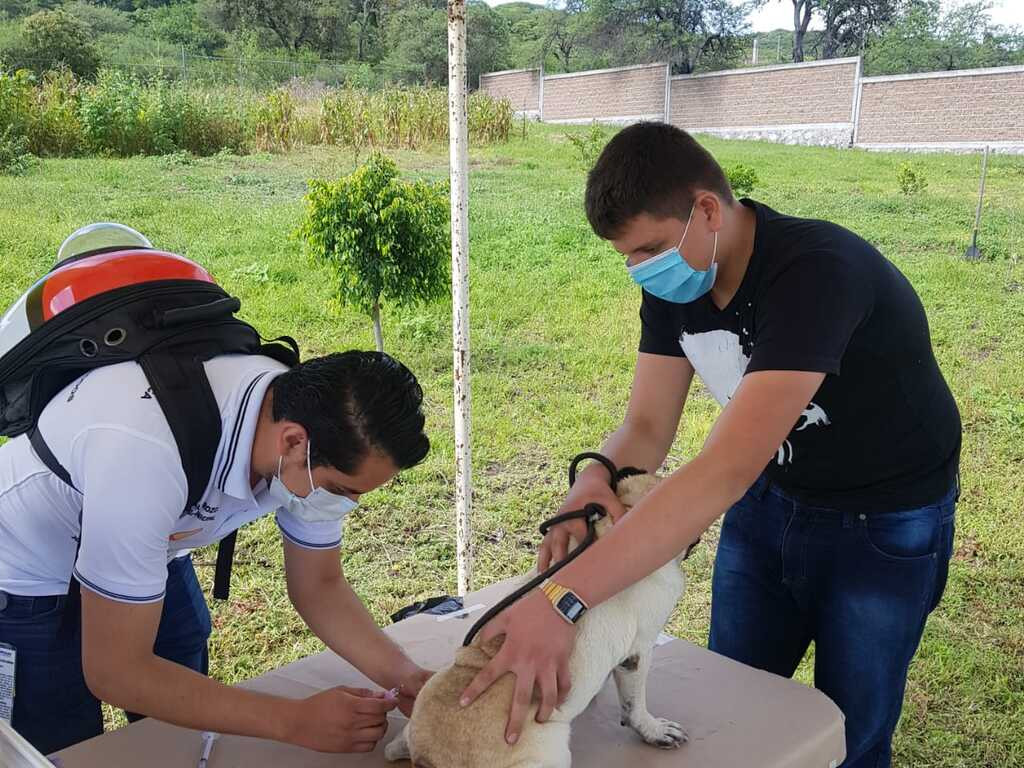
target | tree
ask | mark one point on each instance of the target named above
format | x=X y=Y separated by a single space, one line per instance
x=386 y=239
x=683 y=32
x=802 y=12
x=294 y=24
x=568 y=31
x=51 y=40
x=417 y=42
x=923 y=38
x=849 y=24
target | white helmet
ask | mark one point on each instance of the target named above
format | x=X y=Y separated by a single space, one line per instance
x=102 y=234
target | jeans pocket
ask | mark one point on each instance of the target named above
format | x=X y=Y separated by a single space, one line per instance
x=904 y=536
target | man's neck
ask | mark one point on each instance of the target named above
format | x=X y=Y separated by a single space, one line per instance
x=735 y=247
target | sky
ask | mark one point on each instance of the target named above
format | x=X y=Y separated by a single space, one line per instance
x=779 y=13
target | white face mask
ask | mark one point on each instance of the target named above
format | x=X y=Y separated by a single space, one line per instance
x=318 y=506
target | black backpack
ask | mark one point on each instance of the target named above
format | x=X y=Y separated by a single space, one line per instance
x=115 y=304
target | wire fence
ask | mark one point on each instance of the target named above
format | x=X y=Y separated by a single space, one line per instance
x=249 y=72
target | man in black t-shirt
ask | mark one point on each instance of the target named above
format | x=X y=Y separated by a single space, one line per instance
x=835 y=456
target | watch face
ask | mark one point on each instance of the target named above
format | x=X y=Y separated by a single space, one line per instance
x=571 y=607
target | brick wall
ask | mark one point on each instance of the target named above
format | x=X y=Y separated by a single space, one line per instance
x=614 y=94
x=966 y=106
x=812 y=103
x=521 y=88
x=767 y=96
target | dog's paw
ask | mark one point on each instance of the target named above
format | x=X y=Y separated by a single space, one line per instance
x=661 y=733
x=397 y=750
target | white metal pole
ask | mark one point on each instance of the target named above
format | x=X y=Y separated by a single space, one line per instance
x=458 y=152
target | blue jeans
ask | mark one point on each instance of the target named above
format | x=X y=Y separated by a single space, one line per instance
x=859 y=585
x=53 y=707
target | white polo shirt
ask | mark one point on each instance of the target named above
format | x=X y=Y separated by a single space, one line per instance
x=109 y=432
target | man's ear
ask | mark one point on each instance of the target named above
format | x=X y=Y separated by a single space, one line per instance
x=291 y=440
x=709 y=206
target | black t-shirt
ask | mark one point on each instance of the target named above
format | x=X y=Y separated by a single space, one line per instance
x=883 y=431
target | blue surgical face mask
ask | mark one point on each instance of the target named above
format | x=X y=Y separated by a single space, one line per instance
x=669 y=277
x=318 y=506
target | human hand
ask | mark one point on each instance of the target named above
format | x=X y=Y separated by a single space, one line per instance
x=340 y=719
x=590 y=487
x=537 y=647
x=410 y=680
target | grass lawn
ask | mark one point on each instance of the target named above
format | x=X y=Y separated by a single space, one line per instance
x=555 y=328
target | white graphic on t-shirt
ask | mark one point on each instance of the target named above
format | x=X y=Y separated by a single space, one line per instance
x=718 y=359
x=814 y=416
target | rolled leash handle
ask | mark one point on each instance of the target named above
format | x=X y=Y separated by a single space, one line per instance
x=591 y=513
x=608 y=464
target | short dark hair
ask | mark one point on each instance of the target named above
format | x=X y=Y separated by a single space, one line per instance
x=351 y=403
x=649 y=168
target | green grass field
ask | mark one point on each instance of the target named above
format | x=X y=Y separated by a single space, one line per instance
x=555 y=328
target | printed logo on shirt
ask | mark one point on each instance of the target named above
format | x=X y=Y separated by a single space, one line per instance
x=74 y=389
x=148 y=394
x=201 y=511
x=813 y=416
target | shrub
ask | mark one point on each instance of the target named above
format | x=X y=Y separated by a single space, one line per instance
x=17 y=102
x=56 y=129
x=51 y=40
x=15 y=159
x=114 y=114
x=274 y=122
x=910 y=178
x=742 y=179
x=386 y=239
x=589 y=145
x=406 y=117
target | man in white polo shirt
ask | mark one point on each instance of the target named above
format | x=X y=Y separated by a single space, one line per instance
x=304 y=442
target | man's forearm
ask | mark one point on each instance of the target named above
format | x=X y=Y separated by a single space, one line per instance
x=338 y=617
x=631 y=445
x=175 y=694
x=669 y=519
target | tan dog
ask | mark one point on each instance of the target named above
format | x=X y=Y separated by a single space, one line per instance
x=617 y=635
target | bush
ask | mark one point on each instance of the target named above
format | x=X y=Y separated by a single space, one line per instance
x=201 y=122
x=122 y=116
x=910 y=178
x=386 y=239
x=114 y=114
x=15 y=159
x=742 y=179
x=17 y=103
x=589 y=145
x=274 y=122
x=56 y=129
x=490 y=119
x=406 y=117
x=51 y=40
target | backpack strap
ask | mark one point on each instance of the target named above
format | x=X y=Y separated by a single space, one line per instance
x=46 y=456
x=185 y=396
x=181 y=387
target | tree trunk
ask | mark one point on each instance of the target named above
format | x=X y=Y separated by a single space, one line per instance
x=378 y=335
x=801 y=20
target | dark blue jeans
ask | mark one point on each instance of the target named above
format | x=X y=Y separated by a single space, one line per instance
x=860 y=586
x=53 y=707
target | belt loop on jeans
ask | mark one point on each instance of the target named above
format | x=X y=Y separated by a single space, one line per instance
x=848 y=520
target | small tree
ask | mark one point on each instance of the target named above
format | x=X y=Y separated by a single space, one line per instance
x=387 y=239
x=51 y=40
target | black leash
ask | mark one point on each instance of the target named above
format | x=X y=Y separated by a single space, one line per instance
x=591 y=513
